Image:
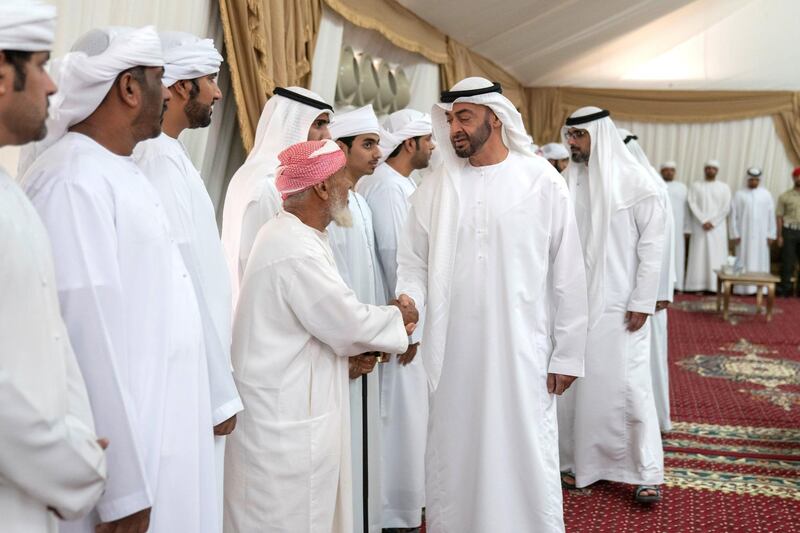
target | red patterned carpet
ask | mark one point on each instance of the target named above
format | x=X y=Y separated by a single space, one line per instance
x=733 y=459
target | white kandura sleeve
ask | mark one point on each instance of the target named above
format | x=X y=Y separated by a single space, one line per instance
x=570 y=303
x=724 y=207
x=733 y=226
x=166 y=175
x=666 y=284
x=772 y=231
x=692 y=201
x=412 y=260
x=331 y=313
x=256 y=214
x=82 y=232
x=650 y=221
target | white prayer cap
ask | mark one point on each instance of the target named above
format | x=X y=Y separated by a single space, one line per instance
x=402 y=125
x=479 y=91
x=668 y=164
x=555 y=151
x=85 y=75
x=187 y=57
x=357 y=122
x=27 y=25
x=754 y=172
x=712 y=163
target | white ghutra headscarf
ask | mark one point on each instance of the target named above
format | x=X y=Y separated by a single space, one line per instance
x=85 y=75
x=616 y=181
x=27 y=25
x=187 y=57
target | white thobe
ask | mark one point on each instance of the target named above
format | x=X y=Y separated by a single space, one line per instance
x=752 y=220
x=709 y=201
x=133 y=319
x=680 y=213
x=356 y=258
x=659 y=345
x=193 y=227
x=249 y=203
x=49 y=456
x=404 y=389
x=288 y=462
x=608 y=427
x=493 y=254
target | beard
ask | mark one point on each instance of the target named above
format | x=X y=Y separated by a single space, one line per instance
x=580 y=157
x=341 y=215
x=475 y=141
x=147 y=123
x=198 y=114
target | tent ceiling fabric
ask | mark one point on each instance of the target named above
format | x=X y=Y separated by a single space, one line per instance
x=635 y=44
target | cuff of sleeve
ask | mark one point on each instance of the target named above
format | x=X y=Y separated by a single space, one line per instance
x=124 y=506
x=566 y=368
x=227 y=410
x=642 y=308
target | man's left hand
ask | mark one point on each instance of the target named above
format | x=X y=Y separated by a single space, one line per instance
x=635 y=320
x=662 y=304
x=558 y=383
x=226 y=427
x=361 y=364
x=407 y=357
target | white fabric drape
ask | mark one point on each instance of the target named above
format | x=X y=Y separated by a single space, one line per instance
x=335 y=32
x=200 y=17
x=737 y=144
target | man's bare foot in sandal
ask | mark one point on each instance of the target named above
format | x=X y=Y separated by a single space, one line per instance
x=646 y=493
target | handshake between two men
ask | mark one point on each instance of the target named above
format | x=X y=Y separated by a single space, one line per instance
x=365 y=363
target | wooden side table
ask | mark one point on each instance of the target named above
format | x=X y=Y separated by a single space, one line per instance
x=726 y=282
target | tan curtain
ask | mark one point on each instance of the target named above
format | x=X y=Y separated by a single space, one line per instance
x=549 y=107
x=397 y=24
x=268 y=43
x=464 y=62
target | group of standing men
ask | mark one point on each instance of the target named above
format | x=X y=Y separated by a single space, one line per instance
x=749 y=220
x=493 y=287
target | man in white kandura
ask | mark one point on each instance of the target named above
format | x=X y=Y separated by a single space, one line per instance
x=357 y=133
x=557 y=155
x=680 y=216
x=491 y=249
x=659 y=345
x=126 y=296
x=51 y=462
x=753 y=227
x=407 y=146
x=607 y=422
x=288 y=462
x=709 y=204
x=191 y=65
x=292 y=115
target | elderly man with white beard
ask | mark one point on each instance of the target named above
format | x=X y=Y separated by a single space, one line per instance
x=292 y=115
x=608 y=427
x=51 y=463
x=297 y=323
x=491 y=250
x=126 y=297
